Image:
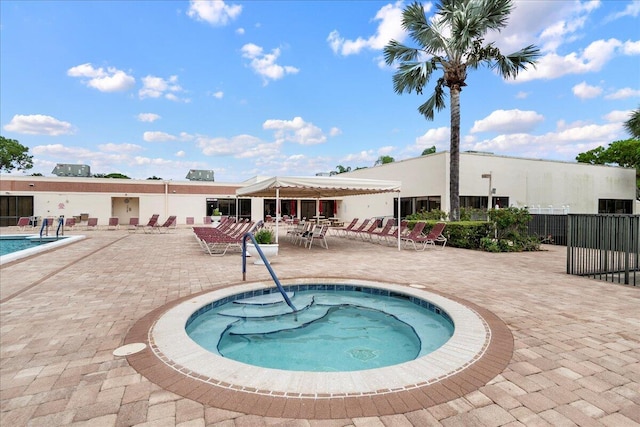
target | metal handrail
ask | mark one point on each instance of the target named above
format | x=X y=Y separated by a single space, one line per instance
x=266 y=263
x=60 y=225
x=45 y=223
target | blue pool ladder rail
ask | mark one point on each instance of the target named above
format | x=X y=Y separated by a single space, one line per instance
x=45 y=227
x=249 y=235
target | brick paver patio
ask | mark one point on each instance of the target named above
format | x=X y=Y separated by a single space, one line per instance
x=576 y=349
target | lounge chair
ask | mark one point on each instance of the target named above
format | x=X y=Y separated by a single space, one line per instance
x=366 y=234
x=385 y=232
x=114 y=223
x=434 y=235
x=134 y=223
x=354 y=231
x=92 y=224
x=190 y=220
x=169 y=223
x=153 y=222
x=415 y=233
x=217 y=243
x=23 y=223
x=69 y=223
x=344 y=230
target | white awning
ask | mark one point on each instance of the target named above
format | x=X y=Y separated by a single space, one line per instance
x=317 y=187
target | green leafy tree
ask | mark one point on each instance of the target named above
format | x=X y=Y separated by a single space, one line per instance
x=154 y=178
x=115 y=175
x=14 y=155
x=452 y=42
x=382 y=160
x=342 y=169
x=625 y=153
x=633 y=124
x=429 y=150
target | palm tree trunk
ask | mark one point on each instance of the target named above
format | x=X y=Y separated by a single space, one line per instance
x=454 y=163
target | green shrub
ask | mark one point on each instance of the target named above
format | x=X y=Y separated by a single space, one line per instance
x=264 y=236
x=433 y=215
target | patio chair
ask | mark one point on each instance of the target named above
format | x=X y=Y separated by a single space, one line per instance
x=114 y=223
x=169 y=223
x=385 y=232
x=69 y=223
x=366 y=234
x=92 y=224
x=23 y=223
x=134 y=223
x=344 y=230
x=153 y=222
x=415 y=233
x=354 y=231
x=434 y=235
x=319 y=233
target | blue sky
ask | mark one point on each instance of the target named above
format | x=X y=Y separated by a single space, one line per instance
x=251 y=88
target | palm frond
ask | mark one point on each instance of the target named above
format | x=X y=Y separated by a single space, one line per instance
x=435 y=101
x=395 y=51
x=510 y=65
x=412 y=76
x=423 y=32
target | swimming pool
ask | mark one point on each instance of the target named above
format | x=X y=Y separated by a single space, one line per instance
x=17 y=246
x=336 y=328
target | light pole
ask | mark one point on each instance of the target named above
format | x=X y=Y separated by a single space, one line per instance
x=489 y=175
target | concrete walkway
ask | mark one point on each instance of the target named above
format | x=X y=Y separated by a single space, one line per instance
x=576 y=358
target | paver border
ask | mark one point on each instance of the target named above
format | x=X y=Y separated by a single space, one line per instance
x=182 y=381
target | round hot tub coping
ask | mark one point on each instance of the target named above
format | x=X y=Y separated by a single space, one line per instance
x=170 y=342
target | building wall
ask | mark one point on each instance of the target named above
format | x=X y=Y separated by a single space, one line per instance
x=527 y=182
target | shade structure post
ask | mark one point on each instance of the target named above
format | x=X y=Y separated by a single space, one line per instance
x=277 y=208
x=398 y=223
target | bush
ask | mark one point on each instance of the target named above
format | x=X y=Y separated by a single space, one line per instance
x=264 y=236
x=511 y=230
x=432 y=215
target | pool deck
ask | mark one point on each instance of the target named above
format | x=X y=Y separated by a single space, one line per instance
x=574 y=360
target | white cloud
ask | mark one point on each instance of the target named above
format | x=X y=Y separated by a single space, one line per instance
x=632 y=9
x=240 y=31
x=631 y=48
x=38 y=124
x=156 y=87
x=617 y=116
x=368 y=156
x=109 y=80
x=148 y=117
x=240 y=146
x=591 y=59
x=623 y=93
x=296 y=130
x=508 y=121
x=334 y=131
x=264 y=64
x=522 y=95
x=120 y=148
x=215 y=12
x=437 y=136
x=585 y=91
x=389 y=27
x=180 y=153
x=157 y=136
x=218 y=95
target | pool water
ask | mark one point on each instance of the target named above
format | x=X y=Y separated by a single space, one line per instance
x=8 y=246
x=331 y=331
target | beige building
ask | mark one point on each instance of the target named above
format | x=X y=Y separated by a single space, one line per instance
x=540 y=185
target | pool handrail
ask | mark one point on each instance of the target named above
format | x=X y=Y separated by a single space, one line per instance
x=249 y=235
x=60 y=225
x=45 y=223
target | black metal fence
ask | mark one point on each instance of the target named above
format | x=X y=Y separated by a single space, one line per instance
x=549 y=228
x=604 y=247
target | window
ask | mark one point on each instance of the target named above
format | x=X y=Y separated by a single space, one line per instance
x=615 y=206
x=13 y=207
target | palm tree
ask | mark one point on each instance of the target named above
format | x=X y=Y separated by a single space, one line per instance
x=633 y=124
x=452 y=41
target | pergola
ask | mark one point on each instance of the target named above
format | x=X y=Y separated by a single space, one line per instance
x=318 y=187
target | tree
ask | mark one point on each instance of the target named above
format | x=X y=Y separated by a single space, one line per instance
x=633 y=124
x=14 y=155
x=154 y=178
x=625 y=153
x=382 y=160
x=452 y=42
x=342 y=169
x=429 y=150
x=111 y=175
